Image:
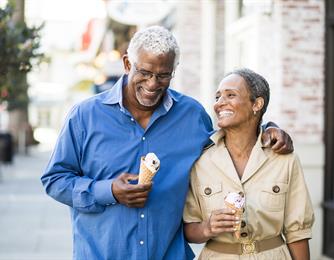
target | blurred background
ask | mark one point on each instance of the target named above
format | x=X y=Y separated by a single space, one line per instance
x=55 y=53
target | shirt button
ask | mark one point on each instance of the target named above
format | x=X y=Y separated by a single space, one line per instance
x=241 y=194
x=207 y=191
x=244 y=234
x=143 y=138
x=243 y=223
x=276 y=189
x=142 y=215
x=141 y=242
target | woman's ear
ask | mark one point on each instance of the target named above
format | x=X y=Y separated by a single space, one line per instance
x=126 y=64
x=258 y=104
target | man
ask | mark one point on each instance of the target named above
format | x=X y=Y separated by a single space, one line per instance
x=97 y=156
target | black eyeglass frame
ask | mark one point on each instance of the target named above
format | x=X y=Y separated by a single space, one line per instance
x=160 y=77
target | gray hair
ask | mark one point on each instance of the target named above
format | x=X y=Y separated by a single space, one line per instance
x=155 y=39
x=257 y=85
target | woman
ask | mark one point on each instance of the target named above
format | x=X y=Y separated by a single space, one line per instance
x=277 y=213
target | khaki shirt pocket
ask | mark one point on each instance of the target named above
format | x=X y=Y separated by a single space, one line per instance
x=272 y=196
x=212 y=196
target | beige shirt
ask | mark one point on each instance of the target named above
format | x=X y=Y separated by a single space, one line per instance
x=277 y=200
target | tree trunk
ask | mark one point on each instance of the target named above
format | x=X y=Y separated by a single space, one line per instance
x=18 y=105
x=18 y=16
x=19 y=128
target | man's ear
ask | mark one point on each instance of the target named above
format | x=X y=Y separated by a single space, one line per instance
x=126 y=64
x=258 y=104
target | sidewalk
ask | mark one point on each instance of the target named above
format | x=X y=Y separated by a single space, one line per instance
x=32 y=225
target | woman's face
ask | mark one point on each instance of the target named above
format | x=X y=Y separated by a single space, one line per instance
x=233 y=105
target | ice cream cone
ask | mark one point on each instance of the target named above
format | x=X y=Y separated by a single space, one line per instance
x=235 y=201
x=238 y=213
x=145 y=174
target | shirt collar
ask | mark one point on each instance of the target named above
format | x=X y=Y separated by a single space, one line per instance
x=115 y=94
x=217 y=136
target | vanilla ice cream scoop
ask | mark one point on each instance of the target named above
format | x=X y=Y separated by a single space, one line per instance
x=235 y=199
x=152 y=162
x=149 y=165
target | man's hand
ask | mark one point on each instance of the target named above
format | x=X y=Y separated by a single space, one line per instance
x=279 y=141
x=131 y=195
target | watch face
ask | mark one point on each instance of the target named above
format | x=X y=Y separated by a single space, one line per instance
x=139 y=12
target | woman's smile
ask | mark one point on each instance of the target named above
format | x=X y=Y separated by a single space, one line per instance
x=225 y=113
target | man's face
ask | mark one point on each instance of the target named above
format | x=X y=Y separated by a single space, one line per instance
x=149 y=77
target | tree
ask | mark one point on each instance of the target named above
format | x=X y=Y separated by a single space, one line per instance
x=19 y=45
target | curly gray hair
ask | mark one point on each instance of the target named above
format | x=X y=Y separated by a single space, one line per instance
x=155 y=39
x=257 y=85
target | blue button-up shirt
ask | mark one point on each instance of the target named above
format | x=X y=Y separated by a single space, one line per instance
x=99 y=141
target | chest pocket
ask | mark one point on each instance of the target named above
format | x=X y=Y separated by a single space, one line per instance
x=272 y=196
x=212 y=196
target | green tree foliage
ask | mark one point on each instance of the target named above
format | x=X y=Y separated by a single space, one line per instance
x=19 y=52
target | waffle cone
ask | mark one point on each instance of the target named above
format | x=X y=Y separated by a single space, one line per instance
x=145 y=175
x=238 y=213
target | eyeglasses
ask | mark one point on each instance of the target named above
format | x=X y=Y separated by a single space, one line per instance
x=161 y=77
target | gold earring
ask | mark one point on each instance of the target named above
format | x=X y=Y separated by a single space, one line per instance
x=254 y=113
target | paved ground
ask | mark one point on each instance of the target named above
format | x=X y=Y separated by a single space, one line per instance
x=32 y=225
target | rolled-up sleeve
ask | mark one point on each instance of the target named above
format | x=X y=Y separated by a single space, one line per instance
x=299 y=216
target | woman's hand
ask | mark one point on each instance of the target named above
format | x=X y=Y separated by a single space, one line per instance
x=220 y=221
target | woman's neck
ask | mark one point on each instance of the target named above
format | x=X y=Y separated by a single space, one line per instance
x=239 y=144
